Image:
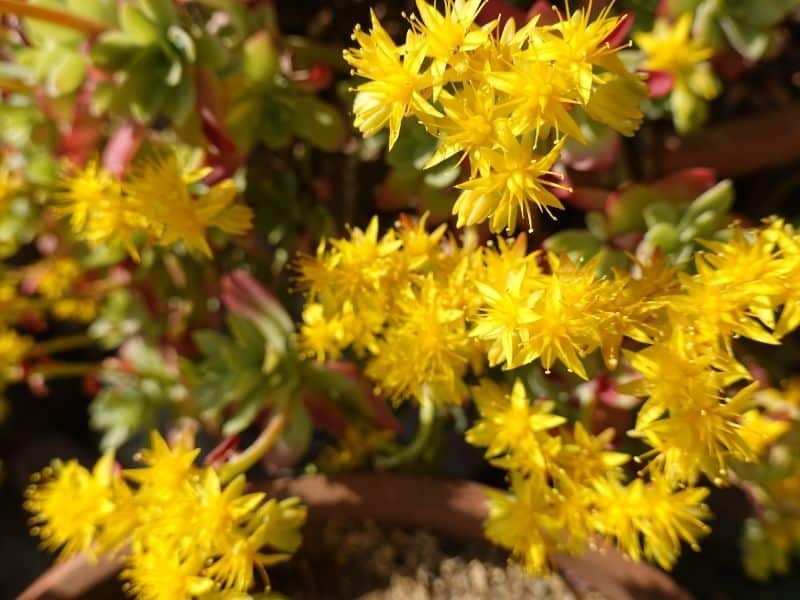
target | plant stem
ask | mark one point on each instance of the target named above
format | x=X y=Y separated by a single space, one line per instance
x=53 y=370
x=264 y=442
x=51 y=15
x=427 y=417
x=61 y=344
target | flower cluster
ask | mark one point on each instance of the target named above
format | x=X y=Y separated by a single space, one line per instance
x=505 y=99
x=422 y=309
x=155 y=202
x=566 y=488
x=190 y=534
x=403 y=299
x=670 y=52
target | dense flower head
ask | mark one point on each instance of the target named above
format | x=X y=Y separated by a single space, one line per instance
x=154 y=203
x=567 y=487
x=400 y=299
x=503 y=98
x=424 y=313
x=190 y=534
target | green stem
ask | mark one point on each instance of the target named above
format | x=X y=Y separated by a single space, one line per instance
x=264 y=442
x=51 y=15
x=427 y=417
x=64 y=343
x=57 y=370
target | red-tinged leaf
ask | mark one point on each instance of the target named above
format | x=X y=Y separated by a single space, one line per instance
x=544 y=10
x=621 y=31
x=664 y=10
x=686 y=185
x=221 y=151
x=90 y=385
x=729 y=64
x=223 y=451
x=81 y=138
x=499 y=8
x=314 y=79
x=37 y=384
x=122 y=147
x=627 y=241
x=324 y=414
x=659 y=83
x=588 y=198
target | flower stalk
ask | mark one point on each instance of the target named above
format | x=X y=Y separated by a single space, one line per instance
x=264 y=442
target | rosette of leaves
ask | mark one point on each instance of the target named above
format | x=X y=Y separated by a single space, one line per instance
x=55 y=56
x=267 y=107
x=255 y=367
x=137 y=391
x=748 y=26
x=669 y=216
x=151 y=57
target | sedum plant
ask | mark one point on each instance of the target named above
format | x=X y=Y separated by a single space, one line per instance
x=167 y=169
x=428 y=312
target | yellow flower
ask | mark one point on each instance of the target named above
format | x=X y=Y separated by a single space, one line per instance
x=167 y=467
x=649 y=520
x=189 y=534
x=585 y=458
x=511 y=426
x=701 y=437
x=581 y=44
x=13 y=349
x=98 y=211
x=507 y=316
x=534 y=521
x=759 y=431
x=508 y=181
x=70 y=505
x=158 y=190
x=505 y=97
x=353 y=450
x=54 y=277
x=447 y=36
x=8 y=187
x=468 y=125
x=161 y=574
x=395 y=81
x=154 y=202
x=537 y=94
x=425 y=350
x=76 y=309
x=670 y=47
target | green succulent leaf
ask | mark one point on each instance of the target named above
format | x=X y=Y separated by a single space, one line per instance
x=137 y=26
x=259 y=58
x=183 y=42
x=66 y=74
x=577 y=243
x=113 y=50
x=748 y=41
x=318 y=123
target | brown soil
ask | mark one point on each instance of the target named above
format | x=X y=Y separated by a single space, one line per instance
x=368 y=562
